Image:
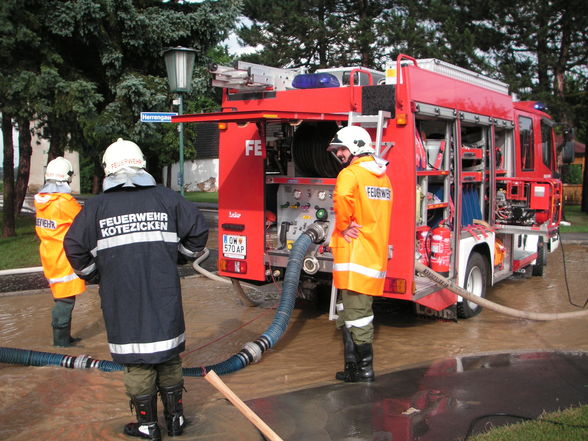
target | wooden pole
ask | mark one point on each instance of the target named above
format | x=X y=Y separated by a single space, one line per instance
x=266 y=430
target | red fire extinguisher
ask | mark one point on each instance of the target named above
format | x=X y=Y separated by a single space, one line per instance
x=423 y=244
x=440 y=249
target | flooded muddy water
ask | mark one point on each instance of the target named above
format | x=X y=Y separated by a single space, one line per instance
x=52 y=403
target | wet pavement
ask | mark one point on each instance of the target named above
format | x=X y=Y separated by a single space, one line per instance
x=434 y=378
x=443 y=400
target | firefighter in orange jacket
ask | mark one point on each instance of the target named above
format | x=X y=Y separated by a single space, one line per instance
x=56 y=209
x=362 y=203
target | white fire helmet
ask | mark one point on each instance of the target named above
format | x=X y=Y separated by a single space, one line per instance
x=122 y=154
x=59 y=170
x=355 y=138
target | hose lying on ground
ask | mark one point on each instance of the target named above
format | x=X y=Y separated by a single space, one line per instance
x=446 y=283
x=251 y=352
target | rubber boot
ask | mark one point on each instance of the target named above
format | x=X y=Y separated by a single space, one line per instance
x=365 y=357
x=61 y=337
x=146 y=425
x=349 y=372
x=173 y=409
x=61 y=322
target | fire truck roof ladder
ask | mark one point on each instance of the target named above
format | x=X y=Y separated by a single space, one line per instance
x=378 y=121
x=251 y=77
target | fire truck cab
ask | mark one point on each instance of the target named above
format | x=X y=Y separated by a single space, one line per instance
x=473 y=173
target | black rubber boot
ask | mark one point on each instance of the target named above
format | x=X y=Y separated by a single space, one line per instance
x=173 y=409
x=349 y=372
x=365 y=357
x=146 y=425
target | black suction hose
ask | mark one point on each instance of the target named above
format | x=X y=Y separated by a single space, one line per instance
x=251 y=352
x=35 y=358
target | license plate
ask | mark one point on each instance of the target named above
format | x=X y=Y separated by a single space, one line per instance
x=234 y=246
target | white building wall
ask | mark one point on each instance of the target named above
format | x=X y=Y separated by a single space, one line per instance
x=39 y=164
x=199 y=175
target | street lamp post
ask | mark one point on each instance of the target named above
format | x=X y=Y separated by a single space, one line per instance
x=179 y=63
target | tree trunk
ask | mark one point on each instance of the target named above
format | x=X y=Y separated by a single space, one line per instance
x=543 y=50
x=97 y=178
x=95 y=184
x=9 y=228
x=585 y=185
x=168 y=178
x=25 y=151
x=559 y=70
x=57 y=139
x=365 y=33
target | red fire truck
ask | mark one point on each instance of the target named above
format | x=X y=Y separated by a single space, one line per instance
x=473 y=173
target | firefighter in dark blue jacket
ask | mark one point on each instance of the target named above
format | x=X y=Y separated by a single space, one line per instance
x=128 y=239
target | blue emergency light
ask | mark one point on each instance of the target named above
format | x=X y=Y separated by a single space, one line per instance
x=315 y=81
x=540 y=106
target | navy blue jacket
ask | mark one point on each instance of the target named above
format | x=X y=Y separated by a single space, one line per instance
x=129 y=238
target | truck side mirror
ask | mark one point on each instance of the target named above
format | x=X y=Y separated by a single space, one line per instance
x=568 y=153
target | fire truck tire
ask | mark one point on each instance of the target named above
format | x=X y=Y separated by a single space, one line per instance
x=476 y=280
x=538 y=266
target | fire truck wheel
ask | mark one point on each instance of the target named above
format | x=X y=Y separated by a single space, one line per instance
x=476 y=279
x=537 y=268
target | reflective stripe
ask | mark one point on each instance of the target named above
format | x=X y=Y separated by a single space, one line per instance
x=143 y=236
x=63 y=279
x=88 y=270
x=147 y=348
x=340 y=307
x=359 y=323
x=360 y=269
x=186 y=252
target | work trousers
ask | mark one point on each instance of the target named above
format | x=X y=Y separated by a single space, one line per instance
x=145 y=379
x=356 y=313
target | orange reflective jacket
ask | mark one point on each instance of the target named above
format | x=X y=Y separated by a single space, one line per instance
x=55 y=213
x=362 y=194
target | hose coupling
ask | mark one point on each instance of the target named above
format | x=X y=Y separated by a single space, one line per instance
x=311 y=265
x=317 y=231
x=84 y=362
x=252 y=351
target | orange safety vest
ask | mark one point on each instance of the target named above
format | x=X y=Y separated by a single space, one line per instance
x=55 y=213
x=363 y=194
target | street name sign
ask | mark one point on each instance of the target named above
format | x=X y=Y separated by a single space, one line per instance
x=157 y=117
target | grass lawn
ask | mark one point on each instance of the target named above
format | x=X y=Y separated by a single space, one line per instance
x=22 y=250
x=202 y=196
x=577 y=218
x=568 y=425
